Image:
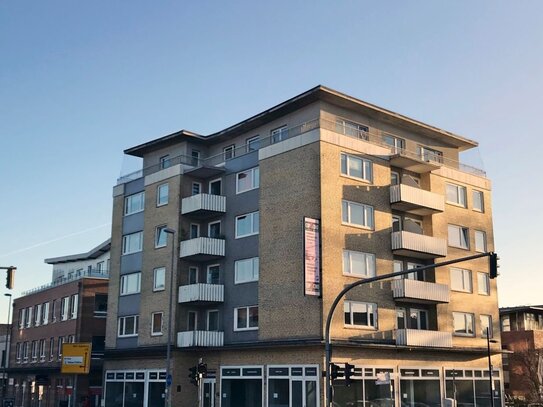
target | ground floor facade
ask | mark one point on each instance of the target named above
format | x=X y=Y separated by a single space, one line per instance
x=292 y=376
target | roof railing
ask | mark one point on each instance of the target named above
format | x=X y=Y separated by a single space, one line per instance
x=65 y=280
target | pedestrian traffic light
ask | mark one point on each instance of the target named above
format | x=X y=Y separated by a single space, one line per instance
x=334 y=371
x=349 y=372
x=493 y=265
x=193 y=376
x=10 y=277
x=202 y=369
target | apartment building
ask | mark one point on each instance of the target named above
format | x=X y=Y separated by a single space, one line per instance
x=522 y=336
x=66 y=310
x=273 y=216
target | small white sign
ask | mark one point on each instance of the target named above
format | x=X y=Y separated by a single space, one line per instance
x=73 y=360
x=383 y=378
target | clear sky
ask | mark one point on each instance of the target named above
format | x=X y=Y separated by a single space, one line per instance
x=81 y=81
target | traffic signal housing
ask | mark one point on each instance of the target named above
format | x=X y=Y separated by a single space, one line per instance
x=493 y=265
x=202 y=369
x=193 y=376
x=348 y=373
x=10 y=277
x=334 y=371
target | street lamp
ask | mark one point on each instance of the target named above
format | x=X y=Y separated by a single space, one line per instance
x=490 y=378
x=168 y=398
x=5 y=360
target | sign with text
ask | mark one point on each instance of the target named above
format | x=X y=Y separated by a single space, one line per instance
x=76 y=358
x=312 y=257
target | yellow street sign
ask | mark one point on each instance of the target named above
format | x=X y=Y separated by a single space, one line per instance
x=76 y=358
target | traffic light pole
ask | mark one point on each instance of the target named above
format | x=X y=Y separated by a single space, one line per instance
x=328 y=345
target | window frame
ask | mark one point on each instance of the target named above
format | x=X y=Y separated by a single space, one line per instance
x=253 y=260
x=356 y=130
x=369 y=261
x=198 y=186
x=483 y=280
x=208 y=273
x=251 y=140
x=460 y=191
x=124 y=318
x=165 y=162
x=367 y=215
x=251 y=215
x=371 y=309
x=229 y=152
x=480 y=234
x=465 y=315
x=160 y=232
x=254 y=173
x=464 y=273
x=366 y=166
x=196 y=271
x=126 y=206
x=490 y=328
x=481 y=194
x=461 y=233
x=153 y=332
x=209 y=229
x=156 y=271
x=189 y=314
x=125 y=243
x=159 y=188
x=127 y=277
x=208 y=313
x=278 y=134
x=247 y=308
x=398 y=144
x=219 y=180
x=65 y=308
x=197 y=230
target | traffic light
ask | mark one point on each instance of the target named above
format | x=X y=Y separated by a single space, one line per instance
x=493 y=265
x=349 y=371
x=10 y=277
x=193 y=376
x=202 y=369
x=334 y=371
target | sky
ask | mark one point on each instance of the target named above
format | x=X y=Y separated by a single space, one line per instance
x=82 y=81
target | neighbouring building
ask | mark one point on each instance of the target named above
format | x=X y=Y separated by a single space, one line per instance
x=522 y=336
x=376 y=191
x=69 y=309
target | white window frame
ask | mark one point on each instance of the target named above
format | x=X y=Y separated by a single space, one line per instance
x=459 y=232
x=209 y=228
x=398 y=144
x=197 y=230
x=208 y=273
x=367 y=258
x=249 y=141
x=45 y=313
x=251 y=216
x=37 y=315
x=397 y=176
x=422 y=315
x=156 y=272
x=208 y=313
x=199 y=187
x=212 y=182
x=480 y=238
x=482 y=199
x=429 y=154
x=74 y=306
x=465 y=278
x=247 y=328
x=165 y=162
x=371 y=309
x=196 y=271
x=126 y=242
x=158 y=333
x=254 y=174
x=365 y=165
x=465 y=316
x=122 y=321
x=60 y=343
x=64 y=308
x=160 y=188
x=460 y=197
x=278 y=134
x=489 y=322
x=255 y=270
x=367 y=214
x=229 y=152
x=483 y=283
x=129 y=197
x=352 y=129
x=159 y=230
x=125 y=282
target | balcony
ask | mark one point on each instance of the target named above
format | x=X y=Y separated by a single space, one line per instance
x=420 y=291
x=415 y=200
x=203 y=205
x=189 y=339
x=423 y=338
x=416 y=245
x=202 y=248
x=201 y=293
x=411 y=161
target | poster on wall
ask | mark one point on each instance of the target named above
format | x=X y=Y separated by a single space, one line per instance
x=312 y=258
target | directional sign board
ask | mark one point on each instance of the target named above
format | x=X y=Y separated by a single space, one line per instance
x=76 y=358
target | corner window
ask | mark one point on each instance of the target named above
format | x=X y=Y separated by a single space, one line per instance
x=360 y=314
x=247 y=225
x=461 y=280
x=130 y=283
x=253 y=144
x=162 y=193
x=279 y=134
x=486 y=326
x=356 y=167
x=165 y=162
x=247 y=180
x=458 y=236
x=134 y=203
x=246 y=318
x=132 y=243
x=358 y=264
x=483 y=283
x=229 y=152
x=478 y=201
x=128 y=326
x=463 y=324
x=161 y=238
x=456 y=195
x=356 y=214
x=480 y=241
x=159 y=279
x=246 y=270
x=156 y=323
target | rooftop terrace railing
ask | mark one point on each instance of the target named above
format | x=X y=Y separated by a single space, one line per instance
x=66 y=280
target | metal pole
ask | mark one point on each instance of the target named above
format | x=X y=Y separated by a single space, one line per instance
x=6 y=357
x=75 y=390
x=168 y=387
x=490 y=379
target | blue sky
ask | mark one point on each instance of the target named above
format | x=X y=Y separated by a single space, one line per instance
x=81 y=81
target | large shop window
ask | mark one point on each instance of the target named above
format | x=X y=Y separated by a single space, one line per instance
x=135 y=388
x=294 y=386
x=241 y=386
x=364 y=389
x=471 y=388
x=420 y=387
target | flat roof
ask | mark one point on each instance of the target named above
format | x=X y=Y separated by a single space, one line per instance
x=92 y=254
x=506 y=310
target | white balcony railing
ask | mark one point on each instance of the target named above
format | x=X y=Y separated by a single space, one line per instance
x=420 y=290
x=201 y=292
x=200 y=338
x=423 y=338
x=205 y=246
x=416 y=200
x=203 y=202
x=416 y=245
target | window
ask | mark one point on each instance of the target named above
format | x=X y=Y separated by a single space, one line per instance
x=483 y=283
x=416 y=275
x=192 y=321
x=71 y=339
x=37 y=315
x=156 y=323
x=456 y=195
x=480 y=241
x=397 y=145
x=45 y=313
x=159 y=279
x=355 y=214
x=418 y=319
x=246 y=270
x=247 y=225
x=352 y=129
x=60 y=342
x=253 y=143
x=165 y=162
x=394 y=178
x=134 y=203
x=463 y=323
x=34 y=351
x=100 y=305
x=215 y=187
x=53 y=311
x=229 y=152
x=196 y=188
x=478 y=201
x=195 y=156
x=99 y=268
x=356 y=167
x=194 y=230
x=486 y=325
x=247 y=180
x=22 y=318
x=128 y=326
x=193 y=275
x=64 y=306
x=28 y=317
x=213 y=274
x=213 y=320
x=132 y=243
x=458 y=237
x=51 y=348
x=246 y=318
x=74 y=303
x=360 y=314
x=161 y=238
x=26 y=351
x=214 y=230
x=130 y=283
x=401 y=318
x=461 y=280
x=162 y=192
x=428 y=154
x=279 y=134
x=358 y=264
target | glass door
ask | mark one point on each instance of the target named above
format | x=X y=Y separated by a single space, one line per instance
x=208 y=393
x=304 y=393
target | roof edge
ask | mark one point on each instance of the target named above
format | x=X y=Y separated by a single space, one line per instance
x=91 y=254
